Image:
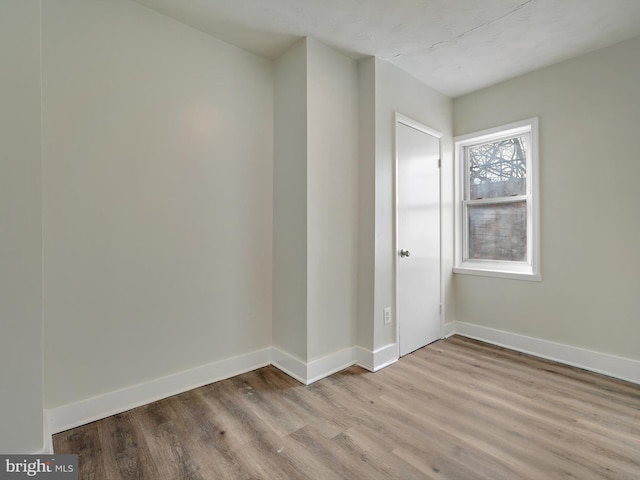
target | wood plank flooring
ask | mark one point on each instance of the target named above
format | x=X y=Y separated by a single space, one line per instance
x=457 y=409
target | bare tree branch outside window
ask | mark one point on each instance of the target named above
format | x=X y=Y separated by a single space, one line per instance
x=498 y=169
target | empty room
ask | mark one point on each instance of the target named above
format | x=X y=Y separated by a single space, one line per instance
x=324 y=239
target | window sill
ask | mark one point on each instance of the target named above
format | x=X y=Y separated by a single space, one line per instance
x=524 y=274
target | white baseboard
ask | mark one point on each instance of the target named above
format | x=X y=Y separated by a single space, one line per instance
x=92 y=409
x=330 y=364
x=364 y=358
x=378 y=359
x=610 y=365
x=320 y=368
x=448 y=329
x=385 y=356
x=292 y=366
x=47 y=442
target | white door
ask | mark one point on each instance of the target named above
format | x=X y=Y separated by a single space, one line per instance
x=418 y=235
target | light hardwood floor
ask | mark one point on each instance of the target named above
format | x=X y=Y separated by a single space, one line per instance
x=457 y=409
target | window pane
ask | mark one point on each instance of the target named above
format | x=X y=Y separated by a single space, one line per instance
x=498 y=169
x=498 y=232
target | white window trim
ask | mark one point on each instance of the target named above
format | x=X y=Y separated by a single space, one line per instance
x=529 y=270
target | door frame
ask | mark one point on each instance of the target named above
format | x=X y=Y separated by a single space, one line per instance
x=400 y=119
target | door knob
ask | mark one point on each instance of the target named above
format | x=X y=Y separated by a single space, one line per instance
x=405 y=253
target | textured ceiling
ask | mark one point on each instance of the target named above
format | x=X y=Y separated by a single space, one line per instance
x=455 y=46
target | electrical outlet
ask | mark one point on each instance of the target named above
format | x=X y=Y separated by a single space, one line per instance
x=387 y=315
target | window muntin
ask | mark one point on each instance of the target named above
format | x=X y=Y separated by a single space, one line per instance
x=497 y=204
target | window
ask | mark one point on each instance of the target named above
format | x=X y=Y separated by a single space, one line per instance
x=497 y=219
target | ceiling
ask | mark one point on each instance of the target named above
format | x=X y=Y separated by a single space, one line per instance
x=455 y=46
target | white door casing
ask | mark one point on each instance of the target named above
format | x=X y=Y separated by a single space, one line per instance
x=417 y=242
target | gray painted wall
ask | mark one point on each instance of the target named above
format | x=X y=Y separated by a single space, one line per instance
x=290 y=203
x=20 y=229
x=158 y=159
